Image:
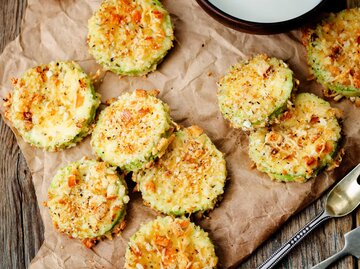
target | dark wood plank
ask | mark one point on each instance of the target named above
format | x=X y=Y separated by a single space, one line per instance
x=21 y=230
x=357 y=224
x=32 y=226
x=353 y=3
x=322 y=243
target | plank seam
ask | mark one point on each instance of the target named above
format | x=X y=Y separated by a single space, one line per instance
x=18 y=179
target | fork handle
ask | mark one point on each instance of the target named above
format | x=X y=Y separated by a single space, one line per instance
x=324 y=264
x=282 y=251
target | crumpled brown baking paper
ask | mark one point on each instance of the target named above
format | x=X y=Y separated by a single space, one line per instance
x=253 y=206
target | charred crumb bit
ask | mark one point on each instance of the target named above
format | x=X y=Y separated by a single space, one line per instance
x=82 y=83
x=141 y=93
x=14 y=81
x=118 y=228
x=89 y=242
x=110 y=101
x=7 y=100
x=154 y=92
x=268 y=71
x=335 y=52
x=287 y=115
x=313 y=37
x=314 y=119
x=149 y=164
x=357 y=101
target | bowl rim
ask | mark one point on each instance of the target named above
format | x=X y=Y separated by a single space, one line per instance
x=257 y=27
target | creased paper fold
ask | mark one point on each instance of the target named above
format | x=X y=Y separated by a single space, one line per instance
x=253 y=206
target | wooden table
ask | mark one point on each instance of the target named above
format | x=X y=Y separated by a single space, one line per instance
x=21 y=229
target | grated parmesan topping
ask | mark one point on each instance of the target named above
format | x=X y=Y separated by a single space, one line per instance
x=334 y=54
x=130 y=37
x=175 y=243
x=86 y=199
x=303 y=141
x=53 y=105
x=189 y=177
x=133 y=130
x=255 y=91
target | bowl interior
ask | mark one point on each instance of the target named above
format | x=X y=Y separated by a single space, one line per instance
x=265 y=11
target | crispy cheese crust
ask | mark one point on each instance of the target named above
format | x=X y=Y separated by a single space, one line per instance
x=133 y=131
x=130 y=37
x=52 y=106
x=255 y=91
x=87 y=199
x=190 y=176
x=170 y=243
x=333 y=52
x=305 y=140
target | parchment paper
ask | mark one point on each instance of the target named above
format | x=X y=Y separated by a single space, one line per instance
x=253 y=206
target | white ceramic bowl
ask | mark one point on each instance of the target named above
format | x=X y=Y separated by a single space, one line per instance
x=262 y=16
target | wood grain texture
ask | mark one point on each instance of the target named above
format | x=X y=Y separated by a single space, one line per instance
x=353 y=3
x=321 y=244
x=357 y=224
x=21 y=230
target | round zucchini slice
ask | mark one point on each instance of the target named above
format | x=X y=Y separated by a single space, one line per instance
x=255 y=91
x=130 y=37
x=189 y=177
x=133 y=131
x=53 y=106
x=304 y=141
x=170 y=243
x=87 y=199
x=333 y=52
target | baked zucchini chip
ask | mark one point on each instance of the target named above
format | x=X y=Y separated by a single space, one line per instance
x=130 y=37
x=133 y=131
x=189 y=177
x=333 y=52
x=87 y=200
x=170 y=243
x=255 y=91
x=305 y=140
x=53 y=106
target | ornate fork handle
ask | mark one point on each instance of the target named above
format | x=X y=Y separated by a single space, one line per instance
x=282 y=251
